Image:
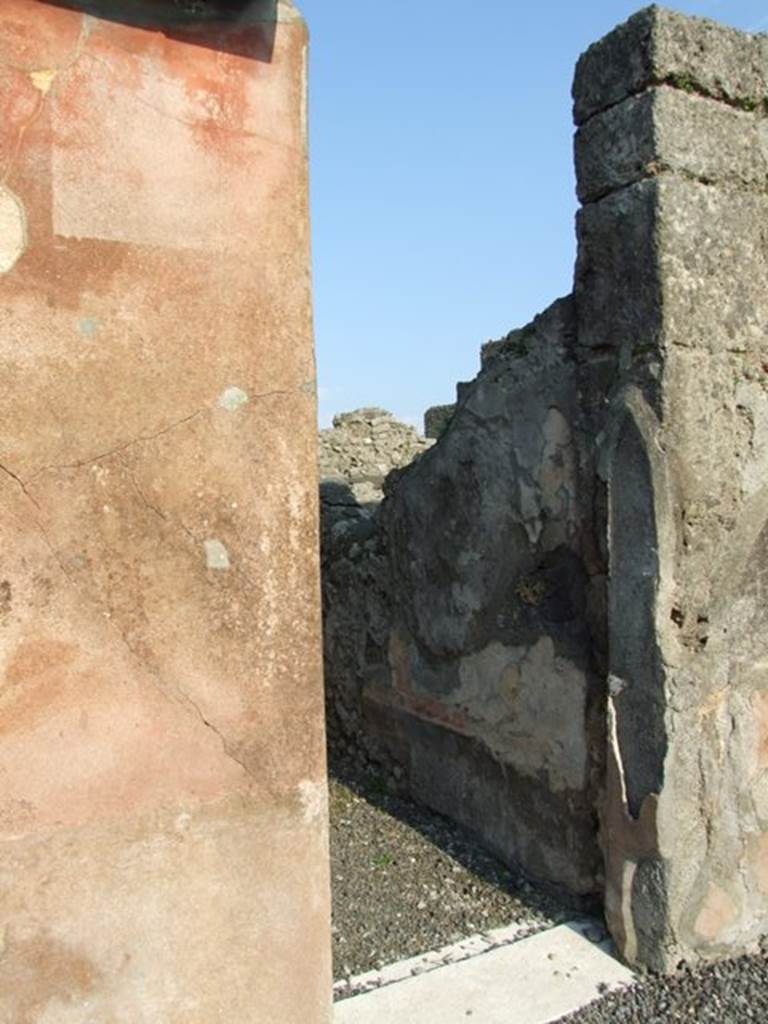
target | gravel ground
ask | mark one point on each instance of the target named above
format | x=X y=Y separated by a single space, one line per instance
x=730 y=992
x=406 y=881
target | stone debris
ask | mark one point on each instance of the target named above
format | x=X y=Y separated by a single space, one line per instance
x=365 y=445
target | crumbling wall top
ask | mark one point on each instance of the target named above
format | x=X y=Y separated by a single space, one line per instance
x=363 y=446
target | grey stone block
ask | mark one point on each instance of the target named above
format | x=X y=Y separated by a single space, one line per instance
x=714 y=278
x=616 y=66
x=618 y=295
x=657 y=45
x=616 y=148
x=664 y=129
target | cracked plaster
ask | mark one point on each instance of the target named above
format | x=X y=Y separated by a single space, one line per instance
x=163 y=692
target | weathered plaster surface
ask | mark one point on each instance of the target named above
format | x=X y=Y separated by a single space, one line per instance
x=162 y=842
x=13 y=230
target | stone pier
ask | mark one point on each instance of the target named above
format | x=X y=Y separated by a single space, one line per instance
x=672 y=313
x=163 y=845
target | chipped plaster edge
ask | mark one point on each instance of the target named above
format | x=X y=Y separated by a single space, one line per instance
x=288 y=11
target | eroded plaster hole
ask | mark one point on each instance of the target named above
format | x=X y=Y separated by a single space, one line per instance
x=13 y=230
x=216 y=554
x=233 y=398
x=43 y=80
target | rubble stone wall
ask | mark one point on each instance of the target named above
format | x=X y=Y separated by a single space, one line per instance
x=356 y=456
x=457 y=614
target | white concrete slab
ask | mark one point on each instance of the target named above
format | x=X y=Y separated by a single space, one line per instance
x=453 y=954
x=535 y=980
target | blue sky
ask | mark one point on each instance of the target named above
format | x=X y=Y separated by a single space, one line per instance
x=442 y=181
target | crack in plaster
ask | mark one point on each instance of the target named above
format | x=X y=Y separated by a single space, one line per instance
x=174 y=694
x=23 y=129
x=308 y=384
x=20 y=482
x=40 y=528
x=87 y=24
x=171 y=694
x=119 y=449
x=155 y=509
x=142 y=497
x=225 y=745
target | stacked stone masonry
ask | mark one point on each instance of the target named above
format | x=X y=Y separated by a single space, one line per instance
x=363 y=447
x=560 y=608
x=673 y=317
